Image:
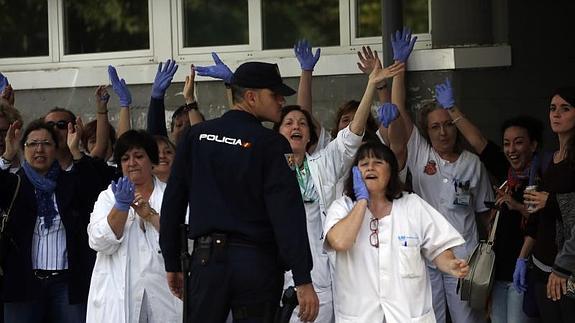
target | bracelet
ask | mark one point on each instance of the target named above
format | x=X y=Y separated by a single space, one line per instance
x=384 y=86
x=191 y=106
x=456 y=119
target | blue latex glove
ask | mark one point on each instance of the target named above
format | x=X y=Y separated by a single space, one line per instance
x=163 y=79
x=124 y=193
x=306 y=59
x=387 y=113
x=3 y=82
x=444 y=94
x=402 y=44
x=219 y=71
x=519 y=275
x=120 y=87
x=359 y=188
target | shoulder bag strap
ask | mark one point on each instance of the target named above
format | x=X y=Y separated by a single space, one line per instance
x=494 y=228
x=7 y=214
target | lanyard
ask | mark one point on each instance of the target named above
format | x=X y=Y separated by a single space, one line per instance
x=305 y=182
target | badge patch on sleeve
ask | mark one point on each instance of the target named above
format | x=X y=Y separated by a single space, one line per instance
x=290 y=159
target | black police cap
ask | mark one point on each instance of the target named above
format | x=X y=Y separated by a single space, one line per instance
x=259 y=75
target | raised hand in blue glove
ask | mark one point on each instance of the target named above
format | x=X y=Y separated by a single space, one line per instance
x=3 y=82
x=387 y=113
x=402 y=44
x=120 y=87
x=124 y=192
x=219 y=71
x=444 y=94
x=359 y=188
x=519 y=275
x=163 y=79
x=306 y=59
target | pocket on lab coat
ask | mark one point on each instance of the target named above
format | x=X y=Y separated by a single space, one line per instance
x=410 y=262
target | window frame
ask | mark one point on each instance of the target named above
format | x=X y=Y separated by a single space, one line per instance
x=137 y=53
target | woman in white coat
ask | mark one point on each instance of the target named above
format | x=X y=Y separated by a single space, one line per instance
x=381 y=237
x=318 y=174
x=129 y=281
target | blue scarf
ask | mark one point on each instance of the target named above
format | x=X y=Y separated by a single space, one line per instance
x=45 y=186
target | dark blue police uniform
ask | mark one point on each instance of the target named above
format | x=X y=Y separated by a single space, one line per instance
x=246 y=217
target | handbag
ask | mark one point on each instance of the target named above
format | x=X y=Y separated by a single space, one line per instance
x=4 y=217
x=476 y=286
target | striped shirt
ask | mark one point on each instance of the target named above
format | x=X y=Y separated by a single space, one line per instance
x=49 y=250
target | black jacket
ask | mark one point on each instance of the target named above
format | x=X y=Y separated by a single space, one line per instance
x=76 y=193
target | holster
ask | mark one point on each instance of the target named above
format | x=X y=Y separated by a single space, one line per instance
x=211 y=247
x=289 y=303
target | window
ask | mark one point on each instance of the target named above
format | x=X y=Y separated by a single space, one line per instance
x=368 y=18
x=284 y=22
x=105 y=26
x=215 y=23
x=24 y=31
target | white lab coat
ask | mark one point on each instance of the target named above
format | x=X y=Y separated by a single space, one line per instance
x=128 y=268
x=390 y=282
x=326 y=166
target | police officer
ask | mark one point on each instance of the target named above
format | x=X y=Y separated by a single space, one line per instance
x=246 y=213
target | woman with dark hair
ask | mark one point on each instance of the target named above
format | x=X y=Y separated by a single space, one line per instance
x=318 y=175
x=454 y=182
x=47 y=260
x=517 y=165
x=551 y=224
x=128 y=282
x=381 y=238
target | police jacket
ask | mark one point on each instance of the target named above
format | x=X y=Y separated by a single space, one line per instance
x=238 y=178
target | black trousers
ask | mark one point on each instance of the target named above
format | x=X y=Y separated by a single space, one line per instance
x=561 y=311
x=247 y=280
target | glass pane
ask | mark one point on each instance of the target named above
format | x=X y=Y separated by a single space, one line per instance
x=284 y=22
x=368 y=22
x=105 y=26
x=416 y=15
x=24 y=29
x=215 y=23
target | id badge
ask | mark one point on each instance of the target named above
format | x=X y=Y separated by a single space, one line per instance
x=462 y=199
x=462 y=194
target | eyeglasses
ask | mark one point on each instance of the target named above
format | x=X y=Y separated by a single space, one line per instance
x=38 y=143
x=436 y=127
x=373 y=237
x=61 y=124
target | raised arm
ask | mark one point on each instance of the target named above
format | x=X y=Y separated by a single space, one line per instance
x=367 y=60
x=156 y=121
x=193 y=113
x=376 y=76
x=122 y=91
x=307 y=61
x=218 y=71
x=402 y=44
x=386 y=115
x=343 y=234
x=102 y=123
x=444 y=96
